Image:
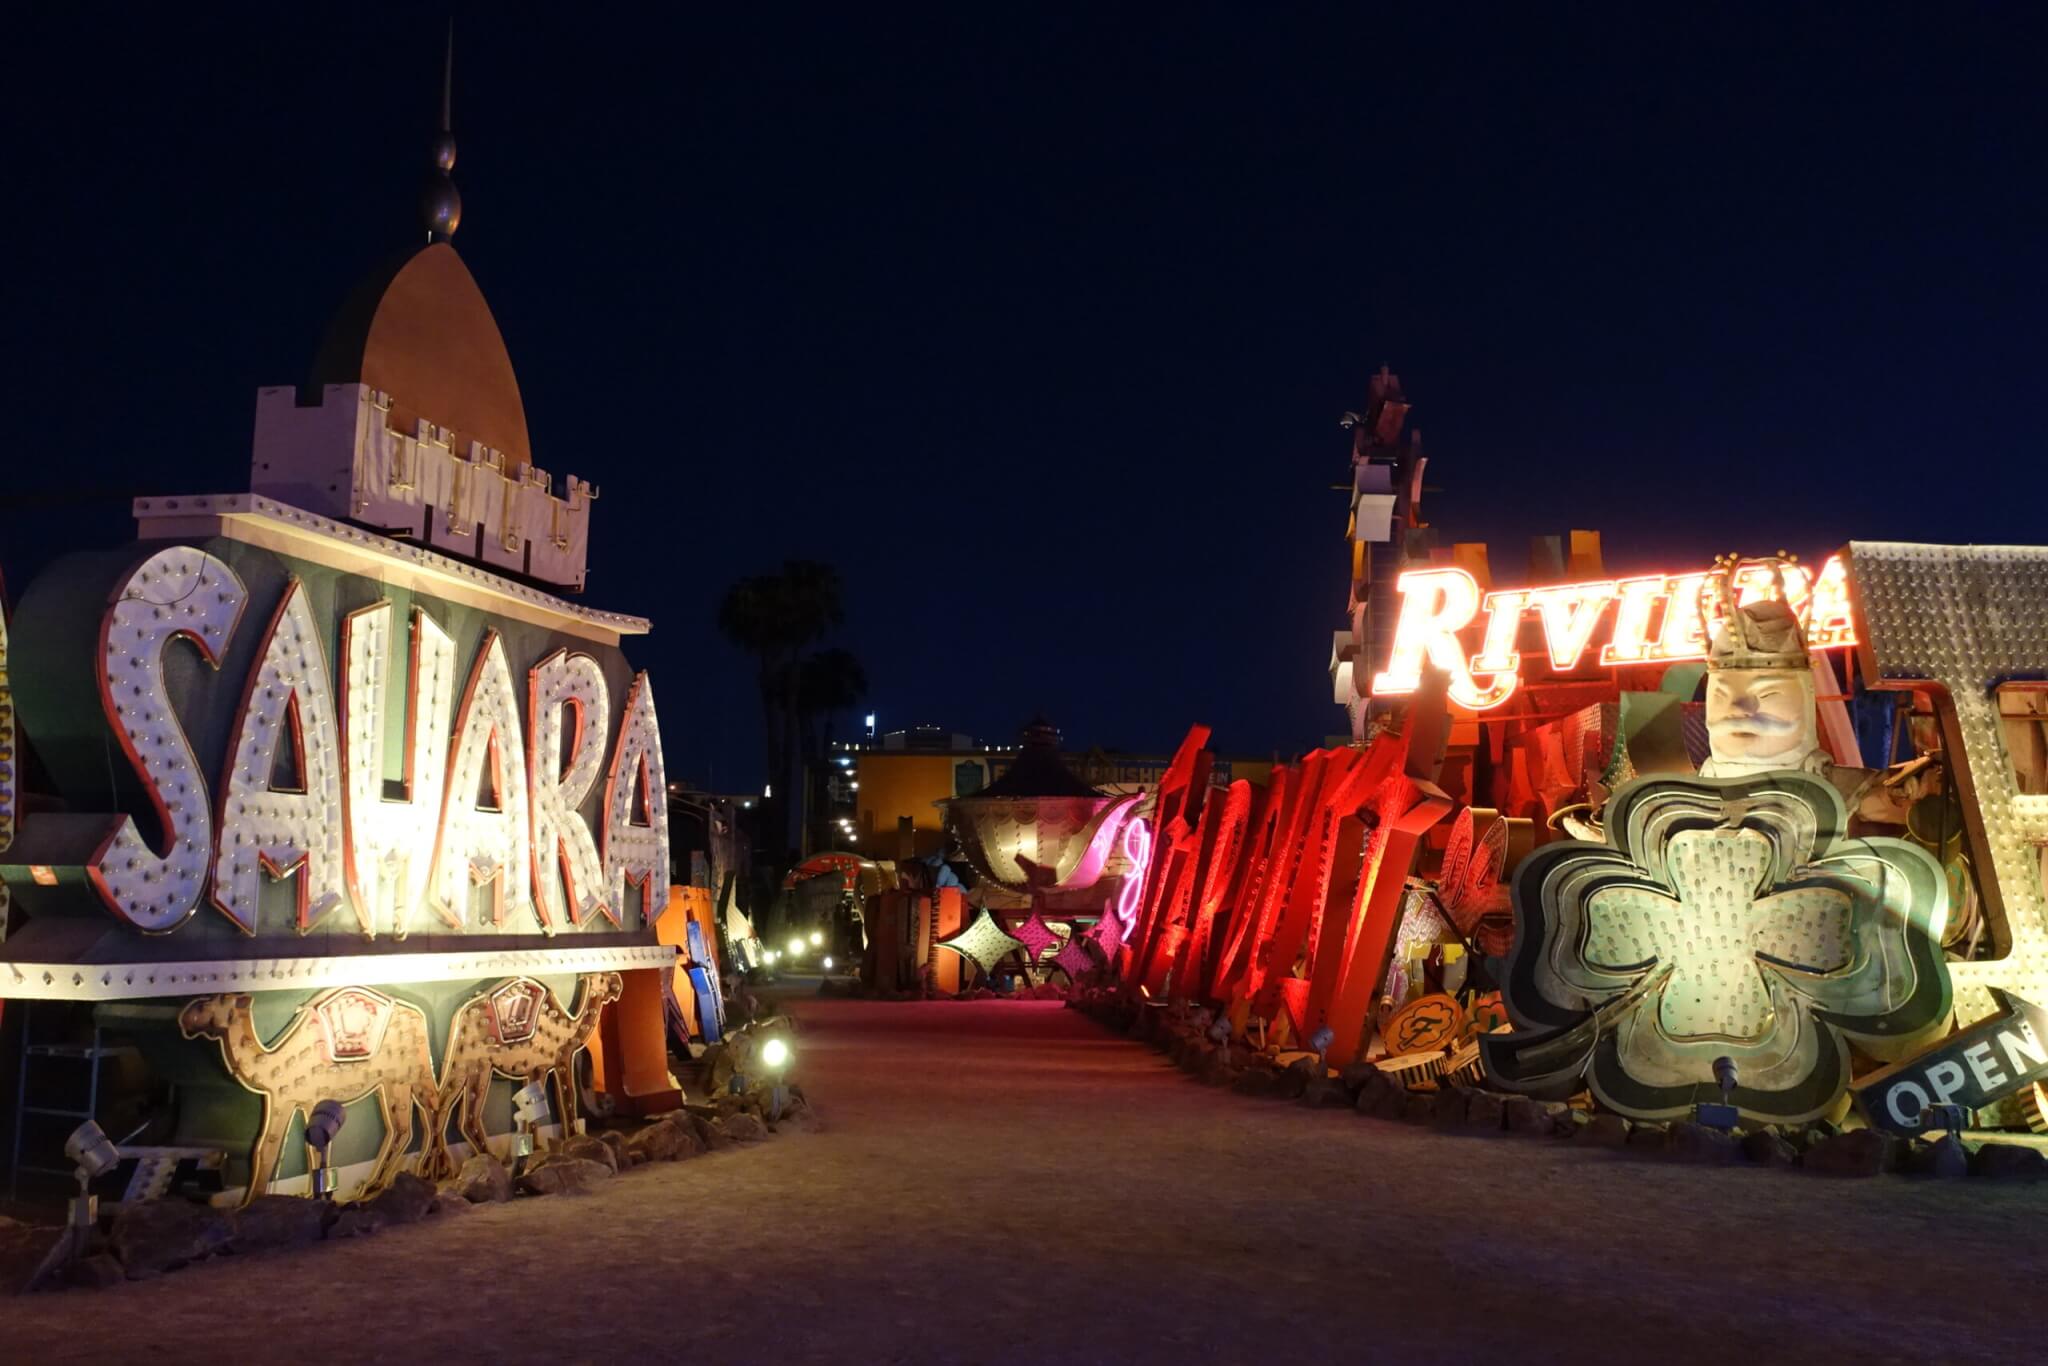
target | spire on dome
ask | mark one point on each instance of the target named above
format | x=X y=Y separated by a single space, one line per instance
x=440 y=202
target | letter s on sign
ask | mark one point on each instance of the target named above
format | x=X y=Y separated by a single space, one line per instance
x=177 y=591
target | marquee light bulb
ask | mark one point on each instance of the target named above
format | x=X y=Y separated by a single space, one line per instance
x=636 y=855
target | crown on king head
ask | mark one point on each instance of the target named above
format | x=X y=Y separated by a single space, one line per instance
x=1763 y=634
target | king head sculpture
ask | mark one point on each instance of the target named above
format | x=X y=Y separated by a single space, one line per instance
x=1761 y=714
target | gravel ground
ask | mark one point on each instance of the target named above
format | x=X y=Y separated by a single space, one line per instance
x=1006 y=1182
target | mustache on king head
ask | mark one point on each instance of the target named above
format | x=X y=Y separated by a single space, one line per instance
x=1752 y=723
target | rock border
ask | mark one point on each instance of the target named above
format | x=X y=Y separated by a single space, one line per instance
x=1819 y=1148
x=147 y=1240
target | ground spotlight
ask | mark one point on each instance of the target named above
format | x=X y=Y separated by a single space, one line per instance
x=828 y=962
x=817 y=937
x=796 y=947
x=321 y=1127
x=529 y=1109
x=774 y=1053
x=91 y=1152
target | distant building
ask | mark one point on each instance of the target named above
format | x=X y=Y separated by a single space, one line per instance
x=873 y=786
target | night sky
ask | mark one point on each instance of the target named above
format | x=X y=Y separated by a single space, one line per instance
x=1039 y=326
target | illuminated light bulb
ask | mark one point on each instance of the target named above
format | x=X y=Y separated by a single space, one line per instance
x=774 y=1053
x=817 y=936
x=828 y=962
x=796 y=947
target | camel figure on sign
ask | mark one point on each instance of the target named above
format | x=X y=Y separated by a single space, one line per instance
x=518 y=1030
x=342 y=1045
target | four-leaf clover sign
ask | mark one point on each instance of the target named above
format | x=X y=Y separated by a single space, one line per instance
x=1729 y=917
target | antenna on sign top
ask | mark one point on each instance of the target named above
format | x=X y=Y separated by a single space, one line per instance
x=440 y=202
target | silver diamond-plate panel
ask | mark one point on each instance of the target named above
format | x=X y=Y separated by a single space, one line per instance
x=1969 y=618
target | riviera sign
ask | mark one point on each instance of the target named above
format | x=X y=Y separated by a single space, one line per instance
x=1650 y=619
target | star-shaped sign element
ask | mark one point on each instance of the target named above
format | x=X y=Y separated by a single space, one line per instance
x=1074 y=958
x=1037 y=937
x=984 y=942
x=1106 y=935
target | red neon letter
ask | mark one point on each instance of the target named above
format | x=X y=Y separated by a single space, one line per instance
x=1435 y=605
x=1569 y=615
x=1631 y=643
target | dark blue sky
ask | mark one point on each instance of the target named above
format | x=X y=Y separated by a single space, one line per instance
x=1038 y=326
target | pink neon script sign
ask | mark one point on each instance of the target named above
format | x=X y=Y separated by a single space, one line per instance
x=1138 y=849
x=1437 y=605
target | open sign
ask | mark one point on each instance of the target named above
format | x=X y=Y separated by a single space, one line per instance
x=1984 y=1063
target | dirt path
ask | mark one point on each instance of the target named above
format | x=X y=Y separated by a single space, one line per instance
x=1008 y=1182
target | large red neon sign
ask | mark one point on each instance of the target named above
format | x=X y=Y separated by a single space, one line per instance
x=1437 y=605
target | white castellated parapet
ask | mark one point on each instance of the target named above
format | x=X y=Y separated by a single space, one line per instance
x=342 y=458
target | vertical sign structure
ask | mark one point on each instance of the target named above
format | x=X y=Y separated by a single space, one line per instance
x=484 y=823
x=386 y=860
x=564 y=760
x=1286 y=899
x=9 y=779
x=180 y=592
x=1406 y=812
x=1346 y=774
x=1224 y=819
x=1363 y=823
x=280 y=793
x=1172 y=837
x=1290 y=838
x=1260 y=851
x=636 y=809
x=1958 y=621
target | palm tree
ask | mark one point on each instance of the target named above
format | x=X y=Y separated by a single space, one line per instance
x=831 y=681
x=775 y=617
x=828 y=682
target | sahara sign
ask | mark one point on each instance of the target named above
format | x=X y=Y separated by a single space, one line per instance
x=406 y=785
x=1656 y=618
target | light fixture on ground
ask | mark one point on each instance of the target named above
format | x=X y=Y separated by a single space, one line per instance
x=817 y=937
x=775 y=1058
x=91 y=1154
x=529 y=1111
x=321 y=1127
x=796 y=946
x=1219 y=1034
